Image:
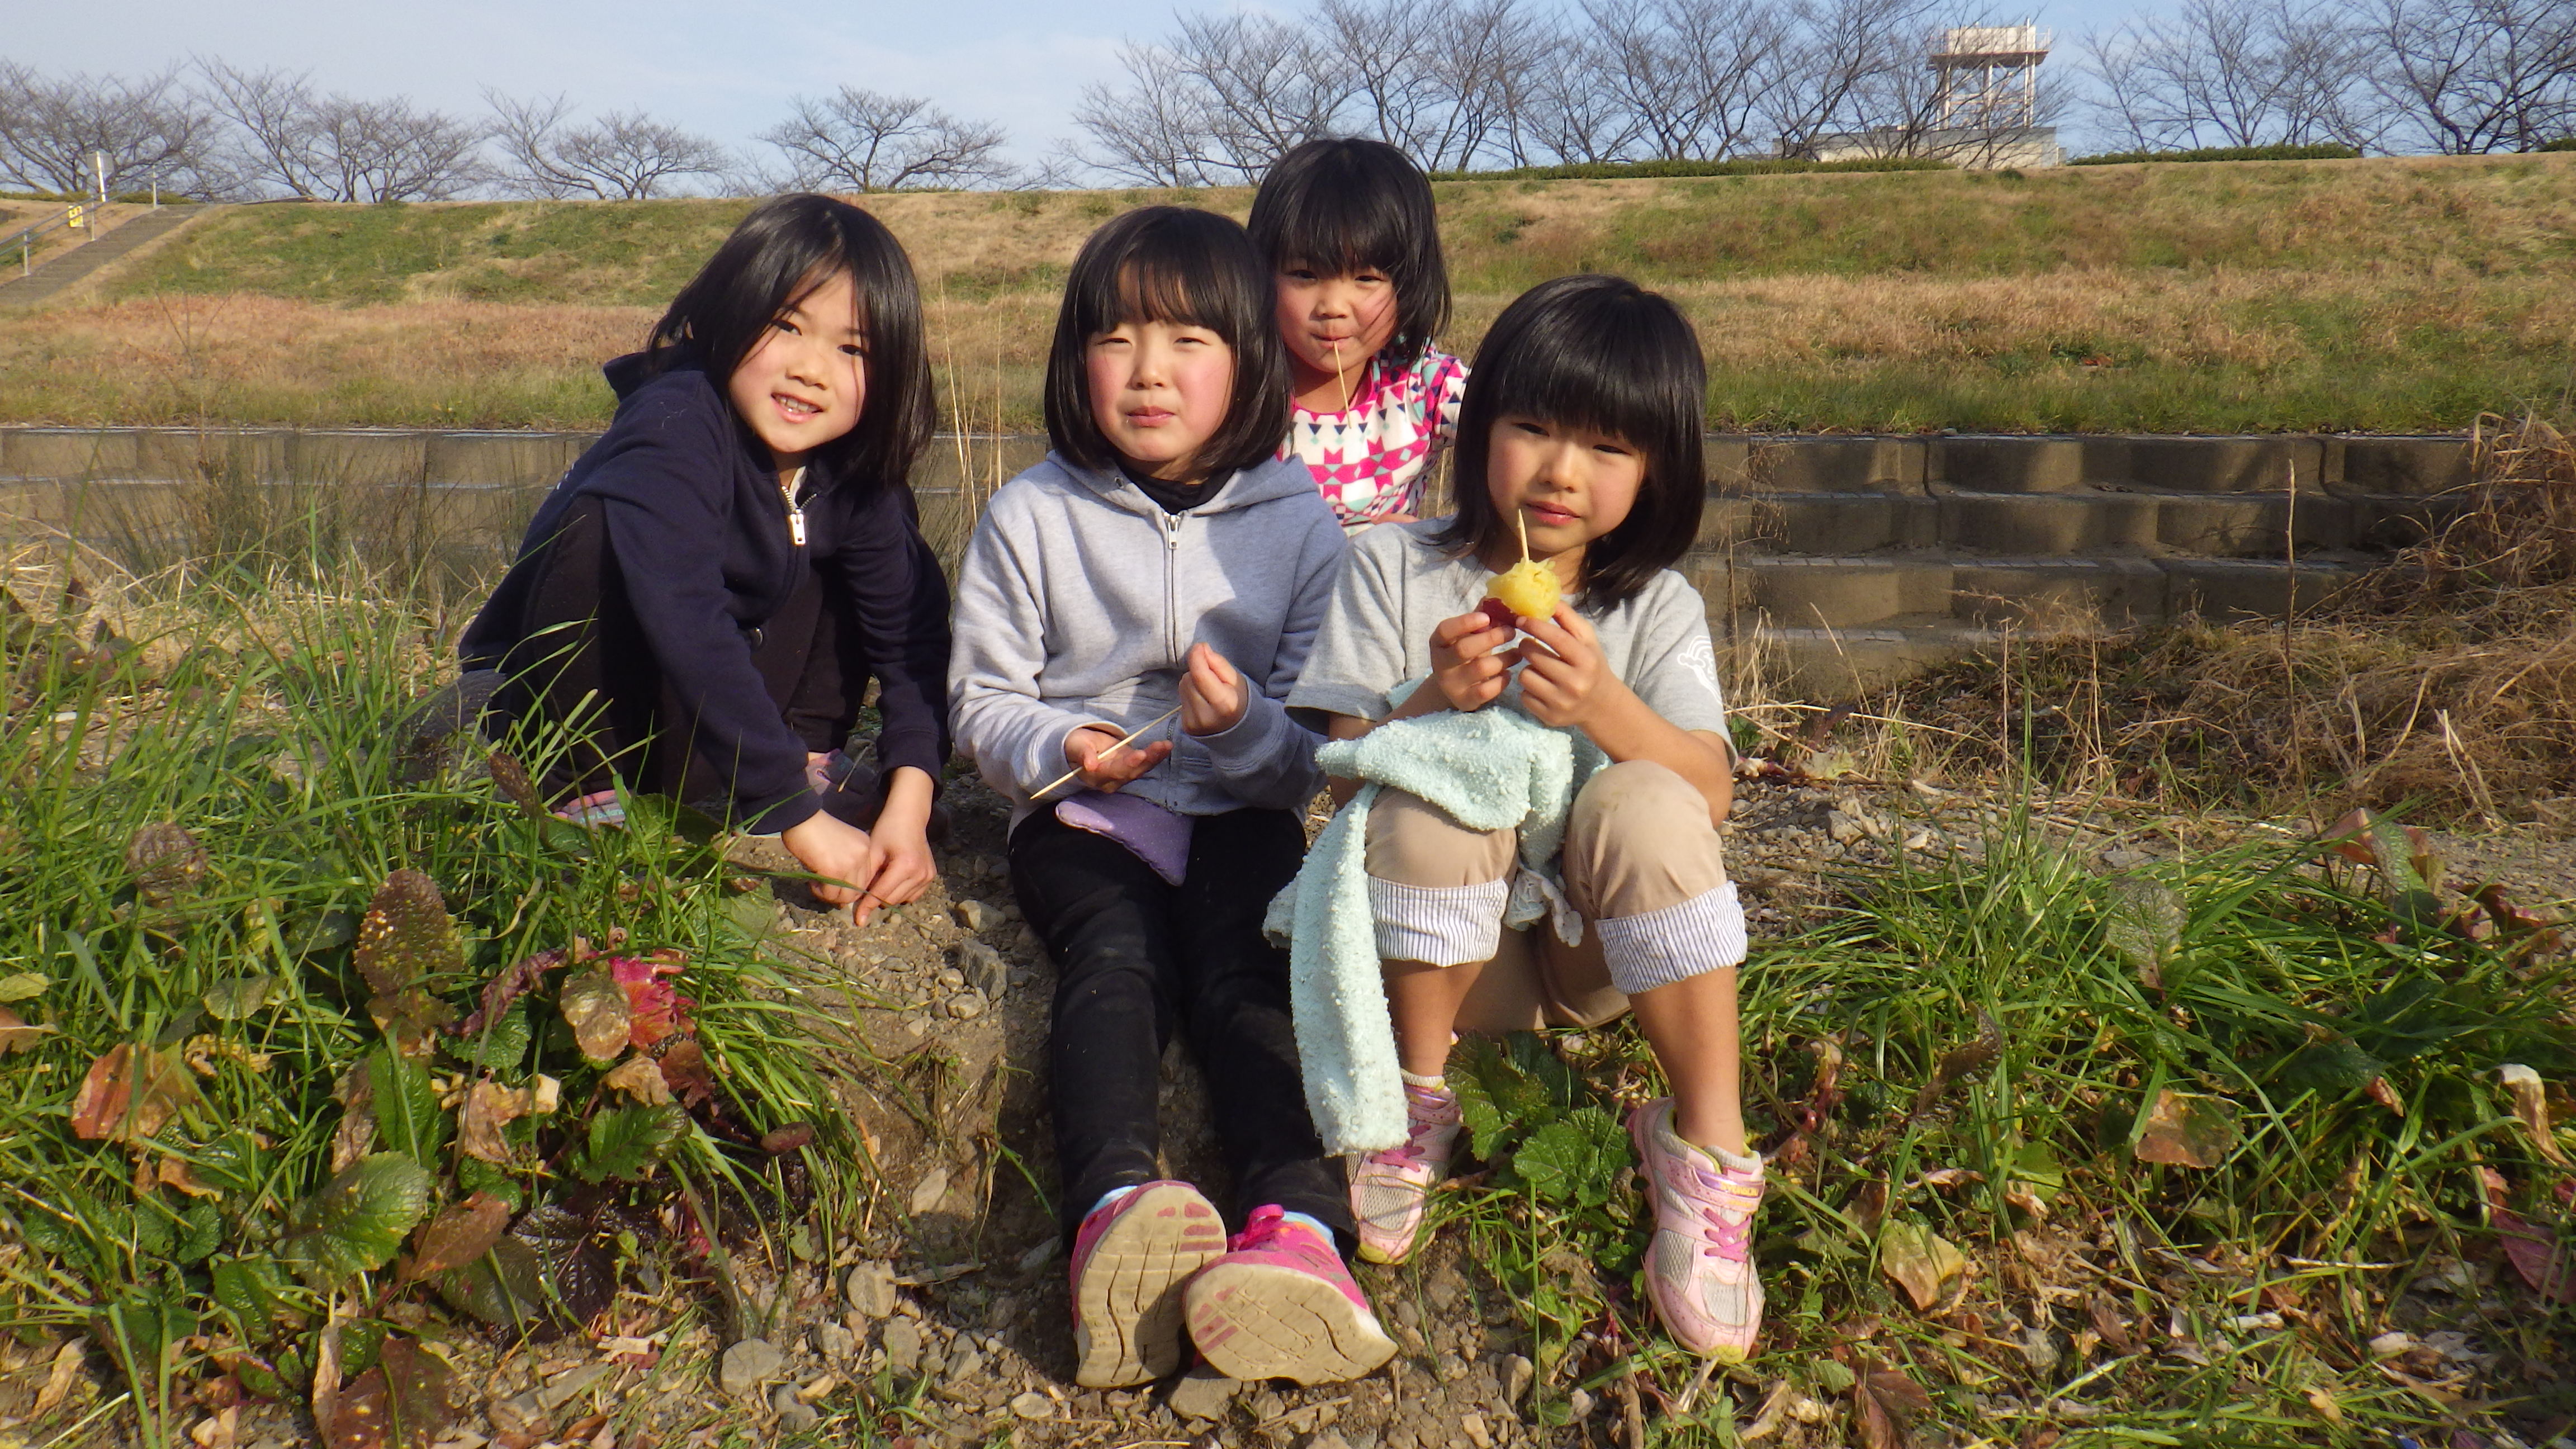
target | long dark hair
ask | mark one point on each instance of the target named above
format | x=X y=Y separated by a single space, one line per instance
x=1178 y=265
x=1344 y=204
x=782 y=251
x=1604 y=354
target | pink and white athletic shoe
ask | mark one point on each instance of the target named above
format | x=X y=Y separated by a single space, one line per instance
x=1390 y=1189
x=1280 y=1305
x=1699 y=1272
x=1130 y=1258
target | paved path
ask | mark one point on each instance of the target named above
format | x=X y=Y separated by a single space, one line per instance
x=85 y=260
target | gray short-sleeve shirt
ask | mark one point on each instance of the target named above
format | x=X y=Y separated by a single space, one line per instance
x=1395 y=585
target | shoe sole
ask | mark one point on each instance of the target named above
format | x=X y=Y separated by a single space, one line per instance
x=1255 y=1321
x=1128 y=1312
x=1725 y=1353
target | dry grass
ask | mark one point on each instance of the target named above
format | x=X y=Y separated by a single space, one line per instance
x=2445 y=681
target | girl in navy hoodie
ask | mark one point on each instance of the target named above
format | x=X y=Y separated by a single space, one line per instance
x=703 y=598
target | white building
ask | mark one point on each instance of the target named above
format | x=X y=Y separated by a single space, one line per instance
x=1983 y=112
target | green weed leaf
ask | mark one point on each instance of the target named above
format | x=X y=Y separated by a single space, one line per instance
x=408 y=1119
x=253 y=1292
x=501 y=1046
x=357 y=1222
x=23 y=986
x=627 y=1142
x=205 y=1233
x=239 y=998
x=1575 y=1159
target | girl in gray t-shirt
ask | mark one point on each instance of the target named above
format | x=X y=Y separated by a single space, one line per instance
x=1582 y=422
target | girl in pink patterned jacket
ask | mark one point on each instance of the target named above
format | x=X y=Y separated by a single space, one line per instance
x=1349 y=230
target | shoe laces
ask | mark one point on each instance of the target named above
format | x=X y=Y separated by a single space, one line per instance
x=1269 y=1231
x=1427 y=1114
x=1725 y=1206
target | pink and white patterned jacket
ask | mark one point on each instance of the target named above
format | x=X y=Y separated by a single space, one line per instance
x=1372 y=458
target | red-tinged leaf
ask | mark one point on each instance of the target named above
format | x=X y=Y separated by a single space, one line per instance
x=655 y=1010
x=16 y=1034
x=2184 y=1129
x=1885 y=1405
x=131 y=1093
x=594 y=1006
x=407 y=938
x=2532 y=931
x=2544 y=1263
x=685 y=1068
x=502 y=991
x=418 y=1394
x=357 y=1415
x=783 y=1140
x=459 y=1235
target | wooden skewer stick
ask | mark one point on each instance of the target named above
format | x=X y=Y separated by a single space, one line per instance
x=1124 y=742
x=1520 y=516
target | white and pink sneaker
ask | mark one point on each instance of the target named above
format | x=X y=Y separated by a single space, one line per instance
x=1699 y=1272
x=1130 y=1260
x=1280 y=1305
x=1391 y=1189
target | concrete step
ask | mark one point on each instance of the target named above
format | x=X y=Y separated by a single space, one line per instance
x=2049 y=593
x=70 y=268
x=2094 y=521
x=2415 y=466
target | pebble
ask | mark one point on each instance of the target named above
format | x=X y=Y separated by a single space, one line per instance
x=835 y=1343
x=1325 y=1439
x=953 y=979
x=902 y=1340
x=1579 y=1403
x=966 y=1007
x=963 y=1366
x=1041 y=1253
x=927 y=1192
x=520 y=1415
x=871 y=1286
x=794 y=1414
x=2391 y=1344
x=1033 y=1405
x=1518 y=1373
x=1203 y=1394
x=976 y=915
x=747 y=1365
x=1477 y=1434
x=1452 y=1368
x=567 y=1387
x=986 y=969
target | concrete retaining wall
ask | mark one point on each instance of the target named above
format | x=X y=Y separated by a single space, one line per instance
x=1850 y=561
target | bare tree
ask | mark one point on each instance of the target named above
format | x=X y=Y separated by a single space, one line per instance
x=622 y=156
x=1225 y=98
x=2215 y=73
x=1695 y=74
x=1384 y=48
x=1479 y=57
x=1564 y=110
x=1835 y=51
x=1155 y=129
x=2472 y=76
x=288 y=139
x=57 y=132
x=865 y=140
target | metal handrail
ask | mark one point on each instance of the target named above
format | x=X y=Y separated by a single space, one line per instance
x=74 y=214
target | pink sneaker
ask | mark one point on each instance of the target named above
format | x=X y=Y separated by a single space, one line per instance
x=1699 y=1271
x=1130 y=1259
x=1280 y=1305
x=1390 y=1189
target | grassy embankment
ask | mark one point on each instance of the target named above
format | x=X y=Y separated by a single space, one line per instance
x=2386 y=295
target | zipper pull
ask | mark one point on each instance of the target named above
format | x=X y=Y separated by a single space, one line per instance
x=796 y=526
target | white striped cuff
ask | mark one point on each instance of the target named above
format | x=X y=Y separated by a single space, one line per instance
x=1439 y=925
x=1675 y=943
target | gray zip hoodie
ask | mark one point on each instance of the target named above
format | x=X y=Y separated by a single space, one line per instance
x=1078 y=602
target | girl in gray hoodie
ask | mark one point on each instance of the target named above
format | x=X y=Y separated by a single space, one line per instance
x=1160 y=576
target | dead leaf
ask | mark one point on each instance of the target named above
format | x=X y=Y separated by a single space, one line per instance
x=640 y=1077
x=2385 y=1095
x=59 y=1381
x=1979 y=1053
x=1886 y=1403
x=354 y=1138
x=2185 y=1129
x=2531 y=1105
x=16 y=1034
x=516 y=981
x=684 y=1066
x=418 y=1395
x=459 y=1235
x=174 y=1173
x=2108 y=1323
x=1869 y=1206
x=489 y=1107
x=782 y=1140
x=1921 y=1261
x=358 y=1414
x=218 y=1432
x=595 y=1007
x=131 y=1093
x=2537 y=1255
x=1775 y=1406
x=2325 y=1405
x=164 y=861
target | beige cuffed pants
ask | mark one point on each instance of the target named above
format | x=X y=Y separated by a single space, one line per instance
x=1642 y=867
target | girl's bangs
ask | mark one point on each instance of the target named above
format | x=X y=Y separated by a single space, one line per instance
x=1338 y=234
x=1152 y=287
x=1585 y=382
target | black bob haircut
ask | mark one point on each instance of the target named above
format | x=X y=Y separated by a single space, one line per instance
x=1178 y=265
x=1606 y=355
x=776 y=257
x=1340 y=205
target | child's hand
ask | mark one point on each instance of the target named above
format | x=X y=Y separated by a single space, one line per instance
x=902 y=835
x=1467 y=665
x=843 y=855
x=1566 y=678
x=1212 y=694
x=1087 y=750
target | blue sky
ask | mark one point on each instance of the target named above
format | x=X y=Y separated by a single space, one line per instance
x=720 y=67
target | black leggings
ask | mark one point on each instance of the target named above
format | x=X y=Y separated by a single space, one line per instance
x=583 y=660
x=1132 y=954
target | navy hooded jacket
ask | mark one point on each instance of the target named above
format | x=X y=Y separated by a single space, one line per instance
x=700 y=532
